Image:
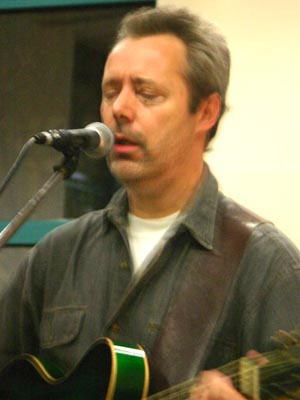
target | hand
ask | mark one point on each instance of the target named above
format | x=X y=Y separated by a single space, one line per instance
x=212 y=385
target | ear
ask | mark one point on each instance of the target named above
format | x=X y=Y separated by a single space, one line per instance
x=208 y=112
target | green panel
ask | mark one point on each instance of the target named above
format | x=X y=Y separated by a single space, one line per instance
x=32 y=231
x=131 y=372
x=11 y=4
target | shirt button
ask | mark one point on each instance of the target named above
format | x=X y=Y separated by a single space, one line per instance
x=115 y=328
x=124 y=265
x=153 y=327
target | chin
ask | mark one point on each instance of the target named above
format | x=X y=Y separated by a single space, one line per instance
x=125 y=171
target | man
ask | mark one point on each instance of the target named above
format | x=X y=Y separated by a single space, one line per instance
x=170 y=263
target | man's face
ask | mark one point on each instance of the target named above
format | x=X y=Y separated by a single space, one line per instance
x=146 y=104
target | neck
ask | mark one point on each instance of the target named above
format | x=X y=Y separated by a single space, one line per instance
x=159 y=199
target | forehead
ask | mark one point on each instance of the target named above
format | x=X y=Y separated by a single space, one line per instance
x=157 y=55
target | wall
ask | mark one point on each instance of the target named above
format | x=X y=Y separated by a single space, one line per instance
x=50 y=70
x=50 y=73
x=256 y=153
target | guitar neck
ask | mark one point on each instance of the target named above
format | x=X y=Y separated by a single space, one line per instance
x=278 y=379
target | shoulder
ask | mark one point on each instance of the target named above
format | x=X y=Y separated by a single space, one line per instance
x=265 y=246
x=269 y=243
x=92 y=223
x=63 y=250
x=66 y=241
x=88 y=224
x=268 y=286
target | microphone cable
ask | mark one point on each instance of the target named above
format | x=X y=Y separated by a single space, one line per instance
x=17 y=163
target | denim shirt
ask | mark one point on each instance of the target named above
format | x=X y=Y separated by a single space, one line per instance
x=77 y=285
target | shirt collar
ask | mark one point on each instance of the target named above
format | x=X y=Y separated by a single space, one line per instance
x=200 y=212
x=117 y=209
x=198 y=217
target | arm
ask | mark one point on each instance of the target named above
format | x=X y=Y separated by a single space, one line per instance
x=268 y=294
x=17 y=322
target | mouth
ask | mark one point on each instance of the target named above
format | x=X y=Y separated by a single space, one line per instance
x=122 y=140
x=124 y=145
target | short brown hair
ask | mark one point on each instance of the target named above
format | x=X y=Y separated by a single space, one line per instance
x=208 y=56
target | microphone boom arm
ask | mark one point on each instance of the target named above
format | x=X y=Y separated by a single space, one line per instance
x=62 y=171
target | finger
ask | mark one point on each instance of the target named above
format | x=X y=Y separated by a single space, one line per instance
x=257 y=357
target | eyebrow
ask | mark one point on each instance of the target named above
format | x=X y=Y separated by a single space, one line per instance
x=142 y=81
x=115 y=82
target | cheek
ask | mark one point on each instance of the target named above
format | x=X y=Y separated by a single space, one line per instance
x=101 y=111
x=173 y=125
x=104 y=112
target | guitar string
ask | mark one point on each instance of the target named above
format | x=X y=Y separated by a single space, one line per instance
x=182 y=386
x=185 y=387
x=185 y=390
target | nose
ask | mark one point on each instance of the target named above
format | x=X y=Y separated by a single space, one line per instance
x=123 y=106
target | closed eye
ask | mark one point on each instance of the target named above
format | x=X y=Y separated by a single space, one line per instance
x=149 y=97
x=110 y=94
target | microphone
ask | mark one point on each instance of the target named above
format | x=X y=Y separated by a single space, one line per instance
x=95 y=140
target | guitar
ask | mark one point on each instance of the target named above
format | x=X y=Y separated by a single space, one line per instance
x=113 y=371
x=107 y=371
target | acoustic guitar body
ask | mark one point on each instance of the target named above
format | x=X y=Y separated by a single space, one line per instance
x=108 y=371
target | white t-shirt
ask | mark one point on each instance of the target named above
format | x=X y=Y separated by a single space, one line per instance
x=145 y=234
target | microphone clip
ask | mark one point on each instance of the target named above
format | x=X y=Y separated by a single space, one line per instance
x=59 y=139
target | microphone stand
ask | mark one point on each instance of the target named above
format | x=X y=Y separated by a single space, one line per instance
x=62 y=171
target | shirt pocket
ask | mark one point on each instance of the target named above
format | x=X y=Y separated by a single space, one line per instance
x=60 y=325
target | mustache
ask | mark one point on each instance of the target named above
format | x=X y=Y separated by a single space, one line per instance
x=130 y=135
